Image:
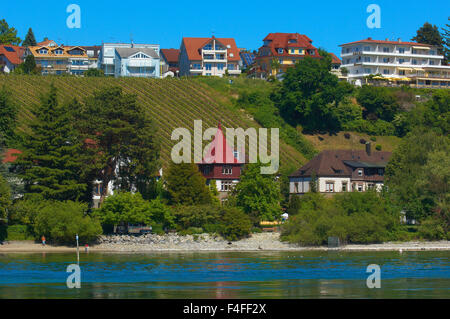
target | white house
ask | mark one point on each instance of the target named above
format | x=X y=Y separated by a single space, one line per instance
x=136 y=62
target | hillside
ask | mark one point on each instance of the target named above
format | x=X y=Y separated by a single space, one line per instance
x=172 y=103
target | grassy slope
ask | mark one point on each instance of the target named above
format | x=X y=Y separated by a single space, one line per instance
x=171 y=103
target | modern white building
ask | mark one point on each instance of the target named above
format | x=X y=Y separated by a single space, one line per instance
x=209 y=57
x=107 y=56
x=136 y=62
x=399 y=62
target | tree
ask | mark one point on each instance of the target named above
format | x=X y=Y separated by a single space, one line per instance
x=50 y=164
x=258 y=194
x=5 y=198
x=378 y=103
x=417 y=175
x=30 y=40
x=446 y=40
x=125 y=148
x=8 y=35
x=29 y=65
x=186 y=185
x=8 y=116
x=309 y=92
x=429 y=34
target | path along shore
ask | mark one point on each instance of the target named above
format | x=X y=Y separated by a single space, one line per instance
x=206 y=242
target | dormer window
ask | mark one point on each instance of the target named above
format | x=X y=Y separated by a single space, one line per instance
x=208 y=47
x=59 y=52
x=292 y=41
x=43 y=51
x=280 y=50
x=140 y=56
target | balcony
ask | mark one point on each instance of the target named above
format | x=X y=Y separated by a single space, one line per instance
x=141 y=63
x=406 y=54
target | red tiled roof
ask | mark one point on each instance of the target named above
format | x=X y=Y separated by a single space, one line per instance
x=10 y=155
x=281 y=40
x=193 y=47
x=171 y=55
x=370 y=40
x=335 y=59
x=13 y=57
x=332 y=162
x=44 y=43
x=220 y=152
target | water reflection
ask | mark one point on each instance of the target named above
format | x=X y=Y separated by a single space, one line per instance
x=227 y=275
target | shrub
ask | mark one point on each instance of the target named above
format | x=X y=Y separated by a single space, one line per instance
x=378 y=147
x=373 y=139
x=19 y=232
x=432 y=229
x=362 y=141
x=236 y=224
x=347 y=135
x=59 y=222
x=196 y=216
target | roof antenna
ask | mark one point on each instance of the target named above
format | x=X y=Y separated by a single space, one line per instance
x=131 y=40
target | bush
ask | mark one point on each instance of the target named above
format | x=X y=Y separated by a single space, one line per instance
x=432 y=229
x=59 y=222
x=373 y=139
x=236 y=224
x=192 y=231
x=347 y=135
x=19 y=232
x=378 y=147
x=362 y=141
x=196 y=216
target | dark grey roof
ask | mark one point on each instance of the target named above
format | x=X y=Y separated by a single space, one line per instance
x=127 y=52
x=359 y=164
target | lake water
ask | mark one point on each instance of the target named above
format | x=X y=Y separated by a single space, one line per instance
x=310 y=274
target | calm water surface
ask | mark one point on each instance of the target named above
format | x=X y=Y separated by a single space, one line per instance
x=227 y=275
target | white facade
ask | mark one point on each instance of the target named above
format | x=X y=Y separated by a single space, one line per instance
x=299 y=185
x=107 y=56
x=395 y=60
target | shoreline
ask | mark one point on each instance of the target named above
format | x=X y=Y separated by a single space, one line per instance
x=264 y=242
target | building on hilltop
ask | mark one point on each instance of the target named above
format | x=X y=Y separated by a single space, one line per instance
x=136 y=62
x=209 y=57
x=108 y=59
x=11 y=56
x=395 y=63
x=59 y=59
x=281 y=51
x=169 y=62
x=337 y=171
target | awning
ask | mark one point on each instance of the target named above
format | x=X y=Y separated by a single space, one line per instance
x=419 y=69
x=405 y=69
x=422 y=48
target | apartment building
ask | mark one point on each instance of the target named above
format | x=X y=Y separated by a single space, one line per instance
x=93 y=53
x=136 y=62
x=397 y=62
x=107 y=56
x=59 y=59
x=209 y=57
x=281 y=51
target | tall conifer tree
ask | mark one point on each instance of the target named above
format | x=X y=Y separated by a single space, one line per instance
x=30 y=40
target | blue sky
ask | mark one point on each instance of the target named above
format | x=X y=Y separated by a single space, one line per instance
x=327 y=23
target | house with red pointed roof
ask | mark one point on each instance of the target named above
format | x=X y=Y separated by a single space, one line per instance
x=209 y=57
x=11 y=56
x=222 y=166
x=169 y=61
x=281 y=51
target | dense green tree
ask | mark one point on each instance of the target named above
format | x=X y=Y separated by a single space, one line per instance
x=446 y=40
x=124 y=148
x=5 y=198
x=309 y=92
x=429 y=34
x=186 y=185
x=8 y=116
x=417 y=174
x=258 y=194
x=29 y=65
x=8 y=35
x=50 y=164
x=235 y=224
x=126 y=207
x=377 y=102
x=30 y=40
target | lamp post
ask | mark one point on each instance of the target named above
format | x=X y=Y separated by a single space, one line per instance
x=78 y=250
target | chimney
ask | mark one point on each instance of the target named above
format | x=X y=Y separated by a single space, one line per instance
x=387 y=39
x=368 y=149
x=399 y=40
x=369 y=38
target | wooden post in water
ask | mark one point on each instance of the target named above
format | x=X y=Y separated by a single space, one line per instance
x=78 y=250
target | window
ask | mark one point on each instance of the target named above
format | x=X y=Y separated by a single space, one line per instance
x=226 y=186
x=401 y=72
x=206 y=170
x=329 y=187
x=385 y=60
x=208 y=47
x=431 y=62
x=401 y=50
x=432 y=52
x=280 y=50
x=367 y=49
x=98 y=189
x=59 y=51
x=292 y=51
x=366 y=59
x=360 y=172
x=371 y=186
x=401 y=61
x=386 y=50
x=227 y=170
x=344 y=186
x=368 y=70
x=220 y=66
x=231 y=66
x=414 y=62
x=380 y=171
x=43 y=51
x=292 y=41
x=208 y=66
x=385 y=71
x=360 y=188
x=197 y=66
